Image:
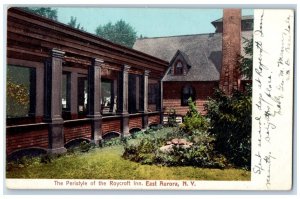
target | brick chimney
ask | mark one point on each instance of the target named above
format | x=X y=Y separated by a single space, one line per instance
x=231 y=49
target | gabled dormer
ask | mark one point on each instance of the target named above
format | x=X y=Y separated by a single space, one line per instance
x=180 y=64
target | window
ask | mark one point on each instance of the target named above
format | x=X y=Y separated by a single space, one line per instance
x=20 y=93
x=66 y=92
x=178 y=68
x=152 y=93
x=82 y=94
x=106 y=95
x=187 y=92
x=133 y=99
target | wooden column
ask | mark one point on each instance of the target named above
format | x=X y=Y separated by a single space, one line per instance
x=123 y=100
x=145 y=80
x=94 y=97
x=32 y=94
x=113 y=106
x=231 y=49
x=53 y=106
x=137 y=93
x=74 y=95
x=159 y=106
x=39 y=107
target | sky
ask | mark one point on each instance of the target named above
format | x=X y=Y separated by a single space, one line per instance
x=149 y=22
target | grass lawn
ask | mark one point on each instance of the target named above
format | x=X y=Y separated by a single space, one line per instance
x=107 y=163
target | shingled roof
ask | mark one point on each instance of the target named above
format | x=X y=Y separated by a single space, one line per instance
x=204 y=52
x=245 y=17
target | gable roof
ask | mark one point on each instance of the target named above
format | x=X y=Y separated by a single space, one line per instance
x=204 y=52
x=185 y=57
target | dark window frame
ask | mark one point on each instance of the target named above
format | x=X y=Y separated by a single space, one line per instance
x=153 y=93
x=32 y=97
x=178 y=71
x=111 y=81
x=187 y=91
x=82 y=78
x=66 y=112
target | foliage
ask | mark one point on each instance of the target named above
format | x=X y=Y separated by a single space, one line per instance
x=230 y=119
x=146 y=149
x=46 y=158
x=120 y=32
x=172 y=118
x=17 y=91
x=43 y=11
x=111 y=142
x=85 y=146
x=230 y=116
x=193 y=120
x=73 y=23
x=246 y=61
x=107 y=163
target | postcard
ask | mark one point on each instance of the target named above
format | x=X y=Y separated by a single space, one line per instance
x=148 y=98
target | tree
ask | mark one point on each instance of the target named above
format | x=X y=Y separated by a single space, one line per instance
x=120 y=32
x=73 y=23
x=246 y=61
x=43 y=11
x=230 y=116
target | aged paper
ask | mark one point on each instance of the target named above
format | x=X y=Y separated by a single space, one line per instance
x=272 y=120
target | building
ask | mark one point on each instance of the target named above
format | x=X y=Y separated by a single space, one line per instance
x=74 y=86
x=196 y=61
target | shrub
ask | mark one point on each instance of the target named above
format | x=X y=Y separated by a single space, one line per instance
x=193 y=120
x=172 y=118
x=230 y=120
x=46 y=158
x=146 y=149
x=85 y=146
x=111 y=142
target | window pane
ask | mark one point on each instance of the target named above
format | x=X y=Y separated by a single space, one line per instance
x=18 y=91
x=106 y=93
x=106 y=96
x=187 y=92
x=82 y=94
x=152 y=93
x=178 y=68
x=65 y=92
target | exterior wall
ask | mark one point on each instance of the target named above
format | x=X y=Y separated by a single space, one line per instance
x=48 y=46
x=35 y=136
x=135 y=122
x=154 y=119
x=111 y=124
x=172 y=95
x=73 y=130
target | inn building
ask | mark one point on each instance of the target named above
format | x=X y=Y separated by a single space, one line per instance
x=65 y=85
x=196 y=62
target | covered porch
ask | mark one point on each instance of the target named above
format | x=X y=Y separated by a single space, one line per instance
x=79 y=86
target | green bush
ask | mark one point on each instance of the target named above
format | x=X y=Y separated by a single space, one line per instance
x=85 y=146
x=200 y=154
x=111 y=142
x=172 y=118
x=230 y=120
x=146 y=149
x=193 y=120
